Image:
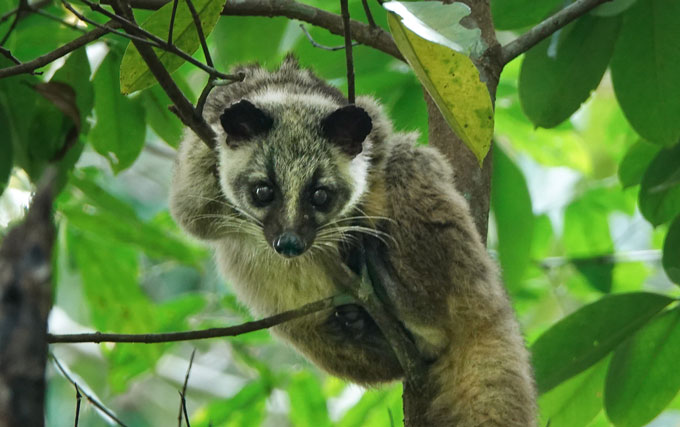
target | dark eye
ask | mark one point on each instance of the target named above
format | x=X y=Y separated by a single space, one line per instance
x=320 y=197
x=263 y=194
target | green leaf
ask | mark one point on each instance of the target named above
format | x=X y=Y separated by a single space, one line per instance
x=643 y=377
x=586 y=225
x=671 y=252
x=119 y=132
x=307 y=403
x=576 y=401
x=659 y=197
x=558 y=75
x=249 y=401
x=372 y=401
x=76 y=73
x=159 y=117
x=514 y=218
x=635 y=162
x=599 y=271
x=101 y=214
x=587 y=335
x=134 y=74
x=453 y=82
x=645 y=69
x=109 y=275
x=612 y=7
x=516 y=14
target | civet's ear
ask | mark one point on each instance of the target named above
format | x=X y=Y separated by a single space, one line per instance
x=242 y=121
x=347 y=127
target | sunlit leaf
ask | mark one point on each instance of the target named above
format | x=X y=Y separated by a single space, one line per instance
x=671 y=252
x=659 y=197
x=452 y=80
x=587 y=335
x=249 y=401
x=515 y=14
x=645 y=69
x=441 y=24
x=576 y=401
x=558 y=74
x=119 y=132
x=514 y=218
x=134 y=74
x=371 y=401
x=307 y=403
x=643 y=377
x=635 y=162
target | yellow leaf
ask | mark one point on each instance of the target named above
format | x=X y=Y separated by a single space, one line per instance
x=452 y=80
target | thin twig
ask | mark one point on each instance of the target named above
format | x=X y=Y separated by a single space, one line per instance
x=199 y=31
x=319 y=45
x=91 y=399
x=175 y=3
x=363 y=33
x=131 y=26
x=79 y=397
x=8 y=54
x=211 y=83
x=544 y=29
x=369 y=16
x=231 y=331
x=186 y=112
x=8 y=15
x=12 y=26
x=182 y=407
x=59 y=20
x=83 y=18
x=41 y=61
x=348 y=50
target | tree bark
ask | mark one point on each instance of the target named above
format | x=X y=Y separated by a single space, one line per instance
x=25 y=301
x=471 y=180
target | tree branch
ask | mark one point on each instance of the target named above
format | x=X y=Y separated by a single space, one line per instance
x=364 y=34
x=89 y=398
x=543 y=30
x=130 y=26
x=41 y=61
x=347 y=33
x=184 y=109
x=230 y=331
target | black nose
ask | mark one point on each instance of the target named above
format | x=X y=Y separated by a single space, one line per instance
x=289 y=244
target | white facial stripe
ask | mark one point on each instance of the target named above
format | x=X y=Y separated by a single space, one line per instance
x=358 y=172
x=232 y=160
x=283 y=97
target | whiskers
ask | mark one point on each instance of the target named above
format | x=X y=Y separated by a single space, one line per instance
x=233 y=220
x=347 y=230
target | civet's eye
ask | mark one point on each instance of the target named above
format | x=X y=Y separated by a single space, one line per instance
x=263 y=194
x=320 y=197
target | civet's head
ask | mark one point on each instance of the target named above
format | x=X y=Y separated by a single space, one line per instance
x=295 y=164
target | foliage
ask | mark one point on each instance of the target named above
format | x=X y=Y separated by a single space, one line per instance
x=586 y=159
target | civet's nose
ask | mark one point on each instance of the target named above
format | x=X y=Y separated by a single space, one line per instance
x=289 y=244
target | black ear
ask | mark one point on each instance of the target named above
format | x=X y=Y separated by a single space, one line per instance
x=242 y=121
x=347 y=127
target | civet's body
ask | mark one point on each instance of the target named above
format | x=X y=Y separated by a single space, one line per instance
x=296 y=175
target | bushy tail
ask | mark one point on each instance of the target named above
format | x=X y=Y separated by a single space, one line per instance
x=484 y=379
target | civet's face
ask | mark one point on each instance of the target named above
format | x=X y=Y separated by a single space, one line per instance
x=294 y=166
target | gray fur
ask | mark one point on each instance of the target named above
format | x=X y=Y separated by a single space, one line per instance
x=451 y=300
